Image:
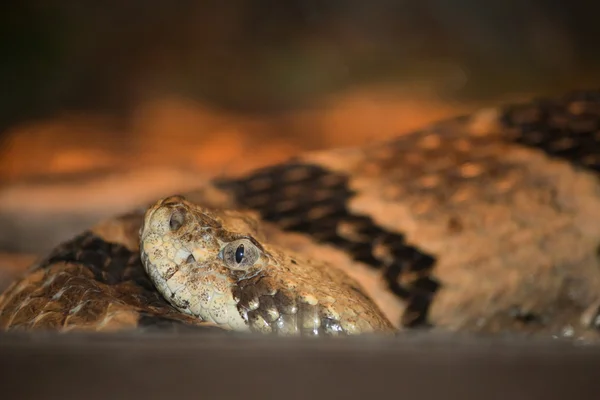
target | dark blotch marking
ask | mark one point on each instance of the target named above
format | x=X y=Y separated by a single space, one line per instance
x=317 y=188
x=111 y=263
x=114 y=265
x=455 y=225
x=565 y=127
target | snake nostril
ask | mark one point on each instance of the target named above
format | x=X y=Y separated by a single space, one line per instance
x=177 y=219
x=190 y=259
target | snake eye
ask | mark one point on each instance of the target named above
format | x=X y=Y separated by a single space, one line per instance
x=240 y=254
x=177 y=219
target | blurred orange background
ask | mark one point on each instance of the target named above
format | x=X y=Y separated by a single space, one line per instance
x=105 y=106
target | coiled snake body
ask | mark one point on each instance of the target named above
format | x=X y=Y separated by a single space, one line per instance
x=483 y=223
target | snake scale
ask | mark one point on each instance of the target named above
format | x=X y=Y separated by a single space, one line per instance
x=486 y=223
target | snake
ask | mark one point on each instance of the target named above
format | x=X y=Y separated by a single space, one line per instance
x=486 y=223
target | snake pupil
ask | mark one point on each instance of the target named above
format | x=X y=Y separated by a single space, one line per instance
x=239 y=254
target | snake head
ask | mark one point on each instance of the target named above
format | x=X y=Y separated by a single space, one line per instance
x=181 y=231
x=195 y=257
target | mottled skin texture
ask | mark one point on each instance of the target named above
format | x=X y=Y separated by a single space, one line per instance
x=486 y=223
x=90 y=284
x=189 y=253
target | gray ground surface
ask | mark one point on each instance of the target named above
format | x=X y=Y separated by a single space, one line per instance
x=425 y=366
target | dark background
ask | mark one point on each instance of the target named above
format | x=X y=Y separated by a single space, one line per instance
x=266 y=55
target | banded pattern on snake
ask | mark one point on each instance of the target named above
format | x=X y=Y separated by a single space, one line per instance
x=483 y=223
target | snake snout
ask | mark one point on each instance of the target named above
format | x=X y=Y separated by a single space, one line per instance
x=176 y=210
x=168 y=215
